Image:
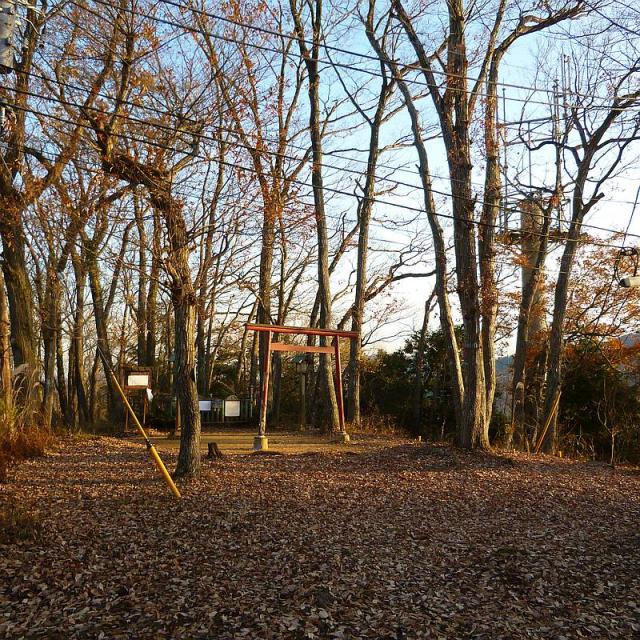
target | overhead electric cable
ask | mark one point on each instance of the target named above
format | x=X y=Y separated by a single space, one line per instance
x=369 y=72
x=251 y=169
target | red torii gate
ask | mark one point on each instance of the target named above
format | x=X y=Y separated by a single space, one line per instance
x=260 y=442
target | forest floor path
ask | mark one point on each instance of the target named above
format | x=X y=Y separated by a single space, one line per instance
x=388 y=539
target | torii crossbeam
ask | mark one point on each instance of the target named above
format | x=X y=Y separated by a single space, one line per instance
x=260 y=442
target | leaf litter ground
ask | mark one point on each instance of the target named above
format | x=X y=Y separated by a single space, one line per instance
x=400 y=540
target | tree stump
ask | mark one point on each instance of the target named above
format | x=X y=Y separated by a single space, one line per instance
x=213 y=451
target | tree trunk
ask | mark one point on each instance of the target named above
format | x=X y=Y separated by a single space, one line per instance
x=324 y=287
x=78 y=378
x=535 y=236
x=281 y=317
x=48 y=321
x=93 y=389
x=579 y=210
x=473 y=427
x=203 y=353
x=554 y=364
x=486 y=241
x=63 y=392
x=141 y=311
x=440 y=252
x=186 y=391
x=100 y=321
x=241 y=374
x=365 y=209
x=418 y=378
x=264 y=285
x=20 y=297
x=6 y=386
x=152 y=296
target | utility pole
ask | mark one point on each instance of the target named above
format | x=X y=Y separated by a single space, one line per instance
x=7 y=26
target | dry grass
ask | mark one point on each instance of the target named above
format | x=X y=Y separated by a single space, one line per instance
x=22 y=444
x=18 y=524
x=22 y=435
x=380 y=425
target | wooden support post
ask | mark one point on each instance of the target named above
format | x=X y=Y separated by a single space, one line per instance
x=303 y=401
x=344 y=437
x=260 y=442
x=554 y=408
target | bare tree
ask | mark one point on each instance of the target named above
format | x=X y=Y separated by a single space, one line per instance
x=310 y=55
x=155 y=166
x=455 y=104
x=22 y=184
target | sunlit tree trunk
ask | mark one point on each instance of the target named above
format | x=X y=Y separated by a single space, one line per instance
x=6 y=388
x=311 y=57
x=364 y=218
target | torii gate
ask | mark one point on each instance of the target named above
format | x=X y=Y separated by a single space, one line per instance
x=260 y=442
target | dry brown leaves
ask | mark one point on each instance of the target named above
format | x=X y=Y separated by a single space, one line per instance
x=411 y=541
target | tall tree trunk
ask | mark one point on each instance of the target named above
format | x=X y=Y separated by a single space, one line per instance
x=253 y=369
x=152 y=296
x=184 y=302
x=264 y=284
x=311 y=57
x=20 y=297
x=72 y=399
x=582 y=204
x=453 y=108
x=6 y=386
x=486 y=240
x=100 y=320
x=418 y=377
x=79 y=376
x=201 y=349
x=364 y=218
x=48 y=321
x=141 y=310
x=440 y=252
x=187 y=394
x=473 y=430
x=63 y=392
x=93 y=389
x=535 y=240
x=554 y=363
x=277 y=357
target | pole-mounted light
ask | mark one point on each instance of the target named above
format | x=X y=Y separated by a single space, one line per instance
x=632 y=280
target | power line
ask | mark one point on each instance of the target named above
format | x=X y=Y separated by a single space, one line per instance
x=227 y=197
x=347 y=158
x=250 y=169
x=234 y=132
x=329 y=189
x=358 y=54
x=369 y=72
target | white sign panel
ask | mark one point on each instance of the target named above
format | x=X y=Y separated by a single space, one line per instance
x=138 y=380
x=205 y=405
x=232 y=408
